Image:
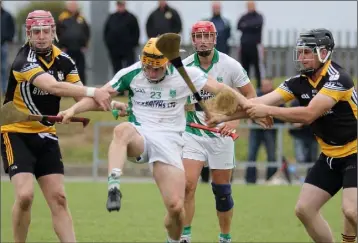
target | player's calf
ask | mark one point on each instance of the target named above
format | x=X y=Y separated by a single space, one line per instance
x=126 y=142
x=171 y=183
x=349 y=205
x=192 y=174
x=21 y=211
x=174 y=221
x=351 y=214
x=175 y=216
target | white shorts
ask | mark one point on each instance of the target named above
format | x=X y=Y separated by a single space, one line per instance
x=218 y=153
x=166 y=147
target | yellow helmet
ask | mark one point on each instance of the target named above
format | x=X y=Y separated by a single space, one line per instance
x=151 y=56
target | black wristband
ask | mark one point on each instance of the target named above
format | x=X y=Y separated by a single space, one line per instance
x=197 y=96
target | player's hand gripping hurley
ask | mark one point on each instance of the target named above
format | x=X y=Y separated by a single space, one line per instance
x=169 y=45
x=10 y=114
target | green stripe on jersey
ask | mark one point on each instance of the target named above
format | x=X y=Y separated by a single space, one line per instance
x=190 y=118
x=131 y=116
x=123 y=83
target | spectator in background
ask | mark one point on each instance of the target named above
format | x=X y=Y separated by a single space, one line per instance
x=7 y=35
x=74 y=33
x=121 y=35
x=163 y=20
x=305 y=143
x=251 y=49
x=223 y=28
x=257 y=136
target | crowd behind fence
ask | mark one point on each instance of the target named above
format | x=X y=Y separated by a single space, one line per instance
x=278 y=54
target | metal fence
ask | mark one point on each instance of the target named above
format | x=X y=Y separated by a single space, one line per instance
x=97 y=161
x=278 y=55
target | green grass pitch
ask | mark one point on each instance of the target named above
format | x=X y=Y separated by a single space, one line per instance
x=262 y=214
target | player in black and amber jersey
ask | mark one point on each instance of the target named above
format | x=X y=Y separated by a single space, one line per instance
x=328 y=102
x=40 y=74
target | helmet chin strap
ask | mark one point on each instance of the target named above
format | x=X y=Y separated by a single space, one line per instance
x=159 y=80
x=312 y=71
x=204 y=53
x=46 y=55
x=44 y=52
x=156 y=81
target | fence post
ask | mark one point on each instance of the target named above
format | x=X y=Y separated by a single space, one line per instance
x=96 y=160
x=280 y=146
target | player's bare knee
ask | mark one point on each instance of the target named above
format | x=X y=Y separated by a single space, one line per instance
x=190 y=188
x=123 y=132
x=303 y=211
x=350 y=212
x=223 y=198
x=60 y=200
x=24 y=199
x=175 y=206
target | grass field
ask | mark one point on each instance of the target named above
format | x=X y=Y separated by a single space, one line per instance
x=262 y=214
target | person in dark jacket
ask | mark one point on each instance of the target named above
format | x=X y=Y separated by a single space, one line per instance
x=251 y=49
x=223 y=28
x=7 y=35
x=121 y=35
x=163 y=20
x=266 y=136
x=74 y=33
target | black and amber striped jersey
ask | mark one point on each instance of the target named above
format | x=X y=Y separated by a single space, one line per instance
x=336 y=130
x=30 y=99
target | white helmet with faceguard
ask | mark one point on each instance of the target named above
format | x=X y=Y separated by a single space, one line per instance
x=313 y=41
x=40 y=30
x=203 y=37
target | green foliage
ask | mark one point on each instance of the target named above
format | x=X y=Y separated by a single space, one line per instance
x=55 y=7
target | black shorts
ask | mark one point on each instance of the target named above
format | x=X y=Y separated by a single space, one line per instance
x=34 y=153
x=331 y=174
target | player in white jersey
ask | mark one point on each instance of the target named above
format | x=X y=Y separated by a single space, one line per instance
x=153 y=133
x=203 y=147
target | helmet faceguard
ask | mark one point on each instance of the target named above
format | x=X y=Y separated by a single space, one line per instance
x=40 y=31
x=311 y=45
x=154 y=63
x=203 y=37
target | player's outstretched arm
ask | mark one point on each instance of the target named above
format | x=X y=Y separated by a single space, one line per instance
x=273 y=98
x=327 y=97
x=318 y=106
x=48 y=83
x=226 y=100
x=89 y=104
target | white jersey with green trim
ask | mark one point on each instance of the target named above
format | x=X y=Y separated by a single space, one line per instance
x=160 y=106
x=224 y=69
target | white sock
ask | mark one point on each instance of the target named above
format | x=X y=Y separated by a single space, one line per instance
x=169 y=240
x=113 y=178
